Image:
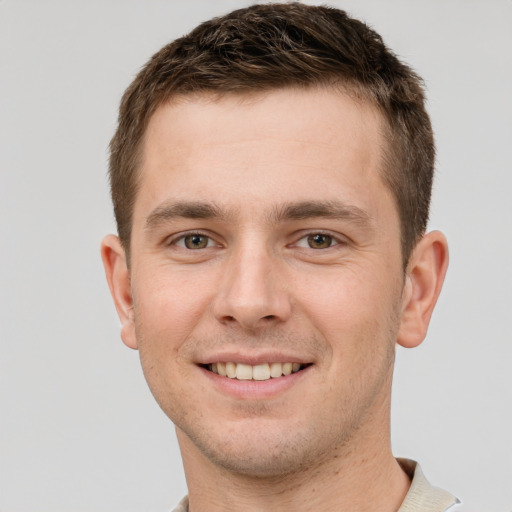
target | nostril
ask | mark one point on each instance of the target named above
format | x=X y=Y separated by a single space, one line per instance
x=269 y=317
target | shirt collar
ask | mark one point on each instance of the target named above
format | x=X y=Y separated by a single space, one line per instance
x=423 y=497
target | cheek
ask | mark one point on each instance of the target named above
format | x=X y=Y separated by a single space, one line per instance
x=167 y=310
x=169 y=302
x=342 y=293
x=355 y=312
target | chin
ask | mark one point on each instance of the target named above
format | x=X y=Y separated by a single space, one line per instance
x=264 y=452
x=262 y=462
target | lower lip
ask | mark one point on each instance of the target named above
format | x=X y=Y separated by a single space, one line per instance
x=255 y=389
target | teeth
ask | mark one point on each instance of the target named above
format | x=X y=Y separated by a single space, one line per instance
x=287 y=368
x=231 y=370
x=264 y=371
x=261 y=372
x=276 y=370
x=243 y=371
x=221 y=369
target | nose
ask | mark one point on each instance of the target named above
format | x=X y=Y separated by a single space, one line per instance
x=253 y=292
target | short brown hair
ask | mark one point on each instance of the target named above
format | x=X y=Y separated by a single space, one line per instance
x=271 y=46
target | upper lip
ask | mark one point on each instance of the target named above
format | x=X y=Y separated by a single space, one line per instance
x=253 y=359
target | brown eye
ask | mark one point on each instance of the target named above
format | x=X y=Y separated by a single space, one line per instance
x=196 y=241
x=319 y=241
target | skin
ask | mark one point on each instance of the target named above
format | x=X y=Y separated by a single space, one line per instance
x=253 y=177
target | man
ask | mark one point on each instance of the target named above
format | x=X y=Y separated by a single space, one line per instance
x=271 y=177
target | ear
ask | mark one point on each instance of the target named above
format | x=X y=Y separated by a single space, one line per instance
x=424 y=280
x=118 y=277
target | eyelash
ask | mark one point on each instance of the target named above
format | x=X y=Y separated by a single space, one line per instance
x=333 y=240
x=181 y=238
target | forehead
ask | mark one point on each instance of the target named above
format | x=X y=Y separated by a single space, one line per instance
x=288 y=145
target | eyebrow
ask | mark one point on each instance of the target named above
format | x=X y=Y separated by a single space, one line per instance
x=185 y=210
x=289 y=211
x=324 y=209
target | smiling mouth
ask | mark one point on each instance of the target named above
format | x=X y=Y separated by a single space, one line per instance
x=259 y=372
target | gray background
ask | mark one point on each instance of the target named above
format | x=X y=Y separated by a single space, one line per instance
x=78 y=429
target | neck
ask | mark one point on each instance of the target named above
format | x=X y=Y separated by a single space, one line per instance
x=358 y=477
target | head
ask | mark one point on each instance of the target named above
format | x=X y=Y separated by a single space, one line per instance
x=271 y=178
x=269 y=47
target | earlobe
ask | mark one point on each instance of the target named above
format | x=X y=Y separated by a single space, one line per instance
x=118 y=278
x=425 y=276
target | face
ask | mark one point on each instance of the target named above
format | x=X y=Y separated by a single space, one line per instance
x=265 y=242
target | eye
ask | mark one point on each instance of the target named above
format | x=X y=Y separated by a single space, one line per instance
x=317 y=241
x=195 y=241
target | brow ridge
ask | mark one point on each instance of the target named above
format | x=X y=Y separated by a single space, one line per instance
x=327 y=209
x=291 y=211
x=184 y=209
